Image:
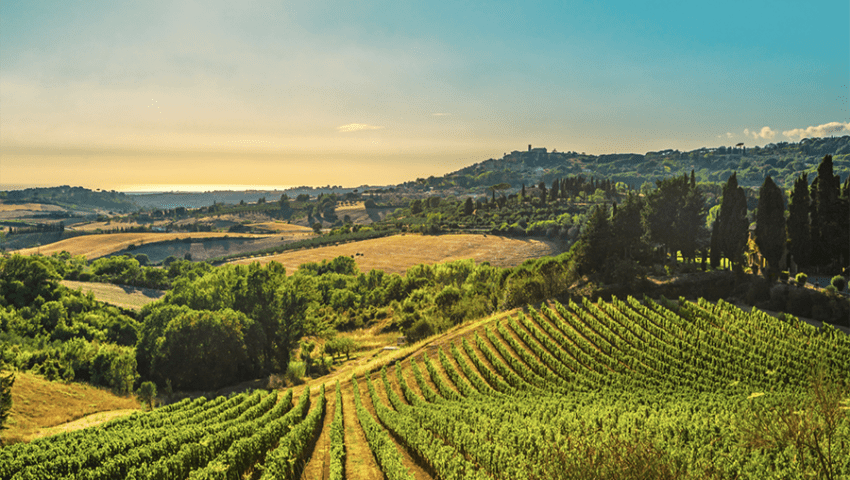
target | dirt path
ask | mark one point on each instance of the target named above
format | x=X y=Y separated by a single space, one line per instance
x=360 y=464
x=318 y=465
x=85 y=422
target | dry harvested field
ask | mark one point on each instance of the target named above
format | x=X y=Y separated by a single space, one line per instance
x=31 y=207
x=41 y=408
x=282 y=227
x=397 y=253
x=96 y=246
x=132 y=298
x=92 y=226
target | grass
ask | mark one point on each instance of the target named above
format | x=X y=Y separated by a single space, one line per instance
x=99 y=245
x=397 y=253
x=132 y=298
x=41 y=407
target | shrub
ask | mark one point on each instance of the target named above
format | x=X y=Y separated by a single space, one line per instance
x=801 y=278
x=783 y=276
x=419 y=330
x=838 y=282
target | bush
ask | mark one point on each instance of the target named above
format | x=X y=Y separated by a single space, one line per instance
x=801 y=278
x=420 y=329
x=838 y=282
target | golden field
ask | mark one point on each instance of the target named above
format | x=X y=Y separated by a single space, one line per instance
x=397 y=253
x=41 y=407
x=131 y=298
x=96 y=246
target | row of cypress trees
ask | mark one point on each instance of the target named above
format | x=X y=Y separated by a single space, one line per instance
x=814 y=233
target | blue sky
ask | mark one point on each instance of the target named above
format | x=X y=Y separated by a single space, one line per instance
x=108 y=95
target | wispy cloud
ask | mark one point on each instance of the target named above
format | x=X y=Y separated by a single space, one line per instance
x=766 y=132
x=832 y=128
x=354 y=127
x=441 y=114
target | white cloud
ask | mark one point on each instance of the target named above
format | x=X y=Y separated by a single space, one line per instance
x=765 y=133
x=354 y=127
x=832 y=128
x=729 y=135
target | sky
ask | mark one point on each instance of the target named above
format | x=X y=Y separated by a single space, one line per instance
x=135 y=95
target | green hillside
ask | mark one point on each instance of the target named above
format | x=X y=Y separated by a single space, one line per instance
x=621 y=389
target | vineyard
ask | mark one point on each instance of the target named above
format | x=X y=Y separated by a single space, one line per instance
x=620 y=389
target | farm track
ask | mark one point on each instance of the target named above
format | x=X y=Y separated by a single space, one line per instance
x=318 y=466
x=360 y=463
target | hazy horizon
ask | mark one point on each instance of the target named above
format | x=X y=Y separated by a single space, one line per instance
x=117 y=96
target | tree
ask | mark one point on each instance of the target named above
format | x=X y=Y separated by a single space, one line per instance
x=147 y=394
x=732 y=223
x=468 y=206
x=592 y=249
x=770 y=224
x=6 y=382
x=416 y=206
x=826 y=228
x=626 y=227
x=799 y=234
x=554 y=190
x=204 y=350
x=674 y=216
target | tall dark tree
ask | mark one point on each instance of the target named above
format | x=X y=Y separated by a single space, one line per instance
x=714 y=248
x=844 y=224
x=770 y=224
x=593 y=247
x=6 y=382
x=542 y=188
x=626 y=228
x=554 y=191
x=799 y=235
x=826 y=231
x=522 y=193
x=468 y=206
x=733 y=224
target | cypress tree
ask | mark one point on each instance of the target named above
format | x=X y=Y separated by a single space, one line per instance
x=715 y=244
x=592 y=249
x=770 y=223
x=799 y=235
x=6 y=382
x=732 y=231
x=553 y=193
x=827 y=211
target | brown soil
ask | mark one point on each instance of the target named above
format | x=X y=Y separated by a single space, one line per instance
x=360 y=464
x=318 y=466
